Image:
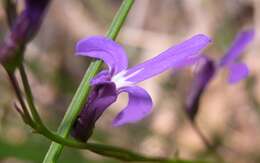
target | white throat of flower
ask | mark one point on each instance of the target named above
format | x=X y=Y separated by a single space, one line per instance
x=121 y=80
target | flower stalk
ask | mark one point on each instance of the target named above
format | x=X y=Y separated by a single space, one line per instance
x=24 y=110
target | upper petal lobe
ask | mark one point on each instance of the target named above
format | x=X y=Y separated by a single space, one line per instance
x=105 y=49
x=238 y=46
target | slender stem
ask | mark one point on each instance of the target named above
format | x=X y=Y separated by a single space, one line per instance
x=206 y=142
x=29 y=97
x=82 y=92
x=201 y=135
x=109 y=151
x=24 y=113
x=105 y=150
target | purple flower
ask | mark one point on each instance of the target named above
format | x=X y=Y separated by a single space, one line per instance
x=23 y=30
x=204 y=75
x=108 y=84
x=31 y=18
x=208 y=68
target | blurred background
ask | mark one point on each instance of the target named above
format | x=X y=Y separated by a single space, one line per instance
x=229 y=116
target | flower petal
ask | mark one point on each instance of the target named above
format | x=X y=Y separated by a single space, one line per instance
x=139 y=106
x=24 y=28
x=101 y=97
x=30 y=19
x=105 y=49
x=204 y=75
x=237 y=47
x=101 y=77
x=175 y=56
x=237 y=72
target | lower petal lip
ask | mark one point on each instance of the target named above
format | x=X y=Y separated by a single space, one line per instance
x=139 y=106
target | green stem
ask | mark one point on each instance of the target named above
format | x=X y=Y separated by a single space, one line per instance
x=107 y=150
x=29 y=97
x=104 y=150
x=82 y=92
x=24 y=113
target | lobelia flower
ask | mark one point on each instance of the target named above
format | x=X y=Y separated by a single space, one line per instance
x=208 y=69
x=109 y=83
x=23 y=29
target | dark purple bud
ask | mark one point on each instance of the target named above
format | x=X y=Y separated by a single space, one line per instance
x=31 y=18
x=23 y=30
x=202 y=78
x=101 y=96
